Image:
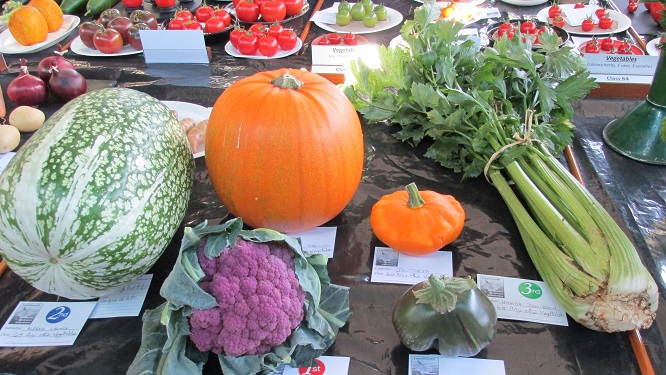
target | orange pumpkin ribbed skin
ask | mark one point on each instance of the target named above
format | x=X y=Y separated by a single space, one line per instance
x=282 y=158
x=417 y=231
x=51 y=12
x=28 y=26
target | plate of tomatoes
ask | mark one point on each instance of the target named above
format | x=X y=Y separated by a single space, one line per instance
x=336 y=39
x=9 y=45
x=609 y=45
x=582 y=19
x=527 y=29
x=267 y=12
x=362 y=17
x=261 y=42
x=216 y=23
x=651 y=47
x=525 y=3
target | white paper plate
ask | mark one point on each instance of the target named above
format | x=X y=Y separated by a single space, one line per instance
x=651 y=47
x=620 y=21
x=524 y=3
x=79 y=48
x=393 y=18
x=9 y=45
x=258 y=56
x=194 y=111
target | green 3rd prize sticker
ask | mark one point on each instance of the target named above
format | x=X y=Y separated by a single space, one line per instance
x=530 y=290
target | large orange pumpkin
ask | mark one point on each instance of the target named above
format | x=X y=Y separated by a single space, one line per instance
x=284 y=150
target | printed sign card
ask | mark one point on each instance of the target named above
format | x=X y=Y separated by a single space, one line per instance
x=326 y=365
x=125 y=302
x=433 y=364
x=390 y=266
x=174 y=46
x=319 y=240
x=522 y=299
x=45 y=323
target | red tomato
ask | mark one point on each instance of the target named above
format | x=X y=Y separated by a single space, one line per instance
x=122 y=25
x=600 y=12
x=133 y=3
x=579 y=5
x=504 y=28
x=528 y=27
x=268 y=46
x=323 y=41
x=108 y=41
x=334 y=38
x=87 y=31
x=224 y=15
x=214 y=25
x=183 y=14
x=203 y=13
x=606 y=44
x=192 y=25
x=273 y=11
x=558 y=21
x=165 y=3
x=235 y=34
x=656 y=11
x=176 y=24
x=350 y=39
x=259 y=30
x=294 y=7
x=134 y=35
x=625 y=48
x=554 y=11
x=248 y=44
x=605 y=22
x=592 y=46
x=287 y=39
x=632 y=7
x=247 y=11
x=588 y=25
x=648 y=5
x=144 y=16
x=275 y=29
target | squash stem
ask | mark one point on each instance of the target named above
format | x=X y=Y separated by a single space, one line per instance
x=442 y=293
x=415 y=199
x=287 y=81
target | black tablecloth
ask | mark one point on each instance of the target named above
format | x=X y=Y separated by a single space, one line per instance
x=489 y=244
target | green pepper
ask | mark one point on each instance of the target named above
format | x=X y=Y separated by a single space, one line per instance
x=448 y=313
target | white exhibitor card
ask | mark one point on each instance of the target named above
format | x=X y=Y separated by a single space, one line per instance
x=320 y=240
x=390 y=266
x=125 y=302
x=433 y=364
x=174 y=46
x=325 y=365
x=45 y=323
x=522 y=299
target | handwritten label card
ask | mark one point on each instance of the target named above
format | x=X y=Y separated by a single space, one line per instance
x=522 y=299
x=320 y=240
x=125 y=302
x=576 y=16
x=4 y=160
x=439 y=365
x=45 y=323
x=326 y=365
x=390 y=266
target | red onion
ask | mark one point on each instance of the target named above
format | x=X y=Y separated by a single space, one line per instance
x=67 y=83
x=44 y=66
x=27 y=89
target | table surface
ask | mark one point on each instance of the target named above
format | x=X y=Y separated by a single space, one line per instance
x=490 y=244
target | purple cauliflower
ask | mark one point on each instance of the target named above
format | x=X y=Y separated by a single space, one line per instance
x=260 y=299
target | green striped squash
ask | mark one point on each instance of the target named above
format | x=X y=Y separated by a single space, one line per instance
x=91 y=201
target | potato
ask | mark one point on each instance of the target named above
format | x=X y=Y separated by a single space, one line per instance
x=27 y=119
x=10 y=137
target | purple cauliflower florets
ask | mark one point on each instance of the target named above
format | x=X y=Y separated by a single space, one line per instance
x=260 y=299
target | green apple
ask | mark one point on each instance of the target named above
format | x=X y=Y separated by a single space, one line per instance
x=357 y=12
x=343 y=17
x=370 y=20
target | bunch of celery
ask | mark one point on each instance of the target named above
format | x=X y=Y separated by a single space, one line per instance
x=504 y=112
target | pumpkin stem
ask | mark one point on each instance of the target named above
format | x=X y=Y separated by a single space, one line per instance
x=415 y=199
x=442 y=293
x=287 y=81
x=9 y=8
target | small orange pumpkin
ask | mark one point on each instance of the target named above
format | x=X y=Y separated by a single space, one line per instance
x=25 y=23
x=284 y=150
x=417 y=223
x=51 y=12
